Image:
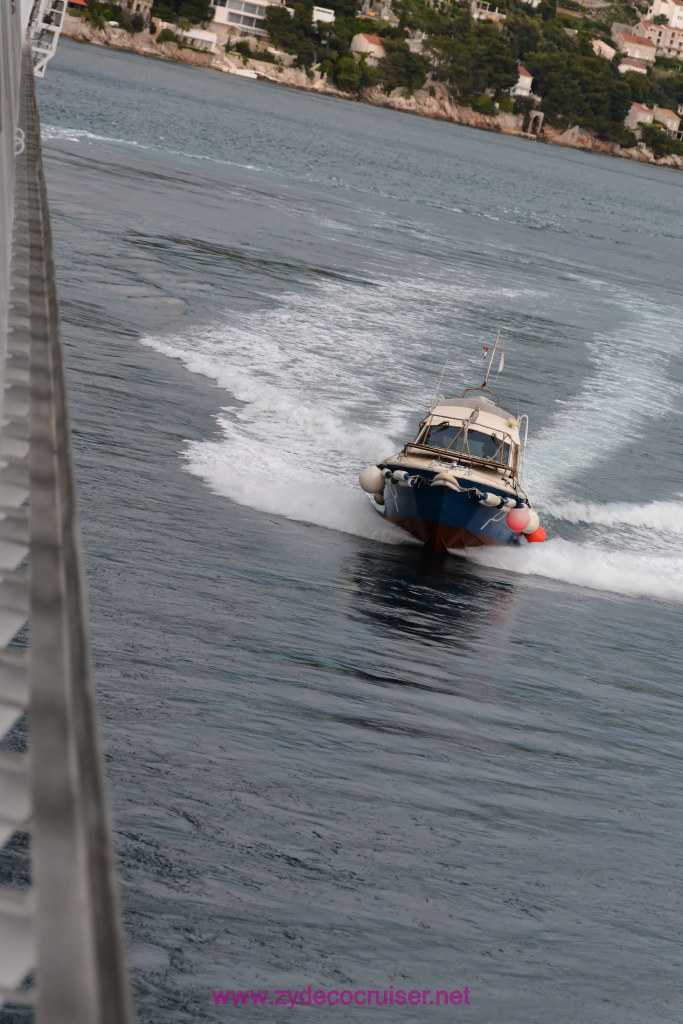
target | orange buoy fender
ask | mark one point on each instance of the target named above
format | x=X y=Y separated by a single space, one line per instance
x=518 y=519
x=537 y=537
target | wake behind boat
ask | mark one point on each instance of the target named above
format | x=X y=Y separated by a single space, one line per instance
x=458 y=484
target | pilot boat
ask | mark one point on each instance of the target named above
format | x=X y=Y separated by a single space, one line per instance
x=458 y=484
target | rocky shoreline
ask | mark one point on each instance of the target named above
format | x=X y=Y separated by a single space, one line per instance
x=433 y=102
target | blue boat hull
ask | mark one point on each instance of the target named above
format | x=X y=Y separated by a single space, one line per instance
x=445 y=519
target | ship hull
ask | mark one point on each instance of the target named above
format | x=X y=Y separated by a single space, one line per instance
x=444 y=519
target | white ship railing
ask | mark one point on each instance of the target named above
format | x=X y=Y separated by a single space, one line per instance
x=61 y=946
x=47 y=20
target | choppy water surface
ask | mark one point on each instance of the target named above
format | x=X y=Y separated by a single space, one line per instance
x=334 y=760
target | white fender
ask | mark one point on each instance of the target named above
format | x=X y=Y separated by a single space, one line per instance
x=534 y=522
x=371 y=479
x=446 y=479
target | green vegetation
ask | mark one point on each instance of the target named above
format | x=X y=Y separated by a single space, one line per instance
x=474 y=57
x=661 y=144
x=293 y=33
x=484 y=105
x=166 y=36
x=315 y=43
x=182 y=12
x=578 y=88
x=660 y=87
x=98 y=14
x=400 y=68
x=243 y=48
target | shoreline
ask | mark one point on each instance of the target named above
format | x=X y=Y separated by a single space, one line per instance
x=433 y=102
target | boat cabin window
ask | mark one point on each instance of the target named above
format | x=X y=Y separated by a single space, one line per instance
x=483 y=445
x=440 y=436
x=455 y=438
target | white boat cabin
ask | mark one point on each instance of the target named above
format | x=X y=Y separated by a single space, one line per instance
x=470 y=431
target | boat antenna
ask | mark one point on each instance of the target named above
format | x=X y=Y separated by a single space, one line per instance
x=436 y=393
x=488 y=371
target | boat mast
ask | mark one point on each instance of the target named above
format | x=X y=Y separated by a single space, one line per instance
x=485 y=386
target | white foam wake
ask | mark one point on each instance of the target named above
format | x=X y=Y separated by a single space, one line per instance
x=295 y=441
x=658 y=576
x=630 y=386
x=661 y=516
x=64 y=134
x=300 y=495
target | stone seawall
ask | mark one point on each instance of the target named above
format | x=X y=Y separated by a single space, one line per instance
x=433 y=102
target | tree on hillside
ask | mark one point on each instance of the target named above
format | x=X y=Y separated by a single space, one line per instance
x=346 y=73
x=579 y=89
x=659 y=141
x=289 y=31
x=555 y=38
x=191 y=11
x=476 y=57
x=337 y=41
x=524 y=35
x=345 y=8
x=400 y=68
x=311 y=41
x=661 y=87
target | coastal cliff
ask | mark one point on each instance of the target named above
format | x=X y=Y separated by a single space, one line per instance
x=434 y=101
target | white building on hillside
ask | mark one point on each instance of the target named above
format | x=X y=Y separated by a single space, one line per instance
x=379 y=9
x=603 y=49
x=522 y=87
x=668 y=41
x=672 y=10
x=638 y=114
x=483 y=11
x=369 y=45
x=198 y=38
x=639 y=47
x=143 y=7
x=668 y=119
x=632 y=64
x=239 y=17
x=324 y=14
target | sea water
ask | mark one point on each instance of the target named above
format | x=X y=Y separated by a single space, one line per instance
x=335 y=760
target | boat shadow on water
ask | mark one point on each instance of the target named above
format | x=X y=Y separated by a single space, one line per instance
x=413 y=594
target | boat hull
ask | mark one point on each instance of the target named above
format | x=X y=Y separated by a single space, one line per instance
x=444 y=519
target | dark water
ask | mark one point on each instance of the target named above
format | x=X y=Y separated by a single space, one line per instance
x=334 y=760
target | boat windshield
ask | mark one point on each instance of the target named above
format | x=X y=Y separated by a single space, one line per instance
x=465 y=441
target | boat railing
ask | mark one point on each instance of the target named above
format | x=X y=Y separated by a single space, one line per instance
x=484 y=388
x=496 y=432
x=62 y=958
x=523 y=435
x=460 y=458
